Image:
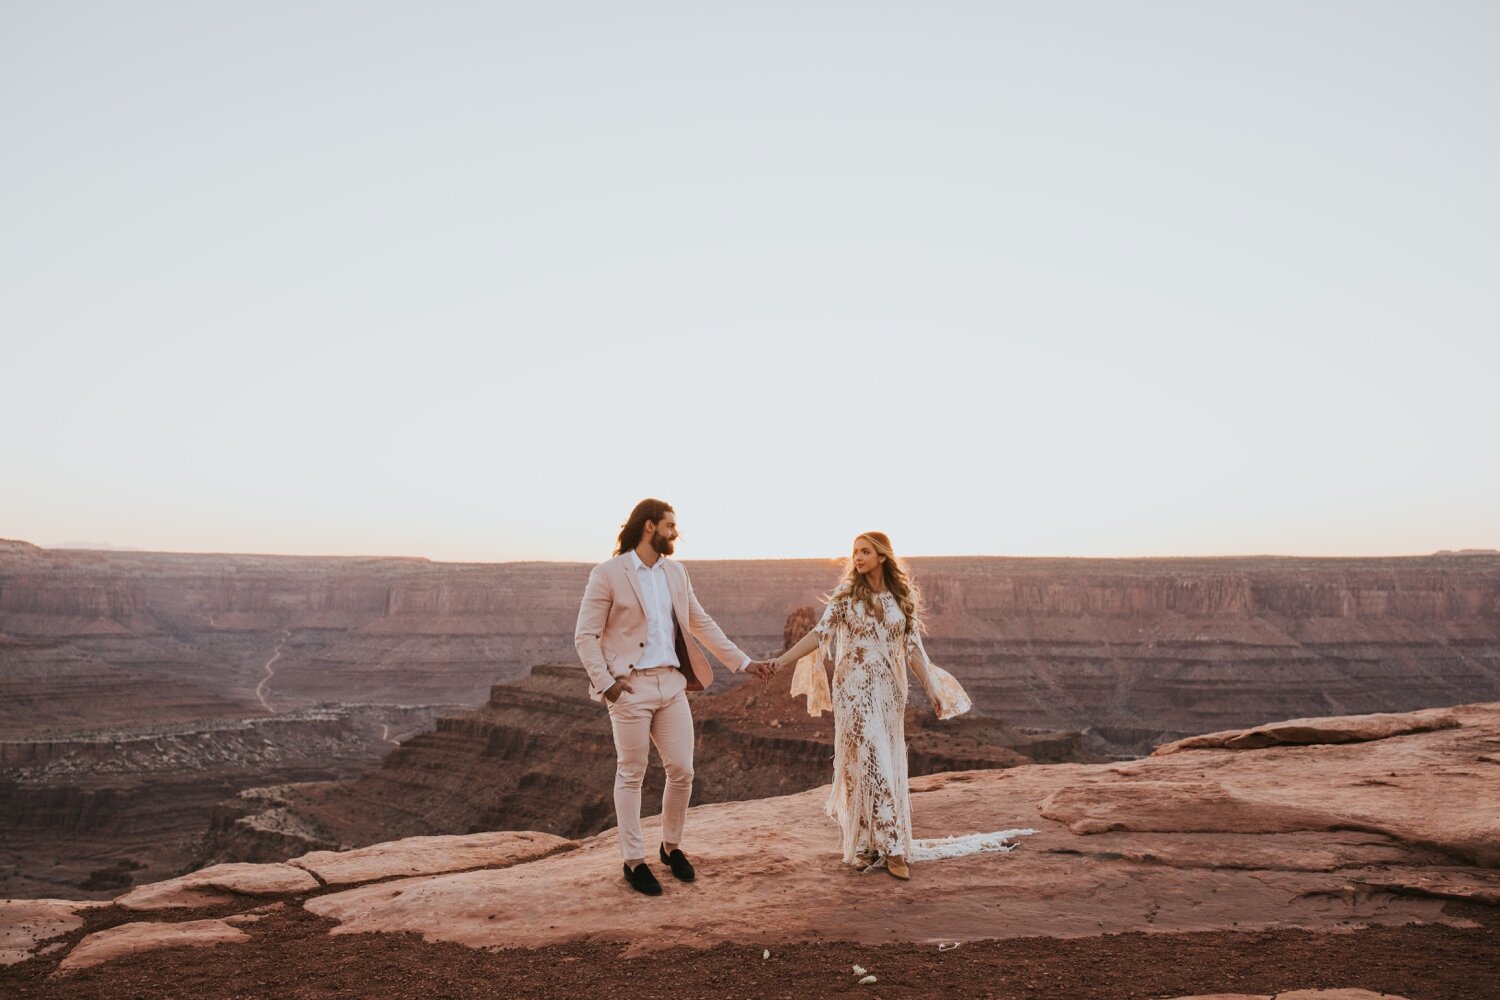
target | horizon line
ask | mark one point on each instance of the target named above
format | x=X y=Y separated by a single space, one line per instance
x=108 y=549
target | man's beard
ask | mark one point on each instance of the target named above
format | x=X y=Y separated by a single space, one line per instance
x=662 y=545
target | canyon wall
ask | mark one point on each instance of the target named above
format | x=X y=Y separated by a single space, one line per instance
x=110 y=645
x=1133 y=650
x=538 y=755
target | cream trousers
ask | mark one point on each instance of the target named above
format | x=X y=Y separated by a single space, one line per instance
x=655 y=711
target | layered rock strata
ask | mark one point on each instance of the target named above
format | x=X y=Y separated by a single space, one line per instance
x=1134 y=650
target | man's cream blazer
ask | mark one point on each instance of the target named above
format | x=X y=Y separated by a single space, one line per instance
x=611 y=629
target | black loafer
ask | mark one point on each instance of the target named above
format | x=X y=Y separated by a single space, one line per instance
x=641 y=879
x=678 y=862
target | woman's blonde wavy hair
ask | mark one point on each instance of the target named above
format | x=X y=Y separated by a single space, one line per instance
x=897 y=581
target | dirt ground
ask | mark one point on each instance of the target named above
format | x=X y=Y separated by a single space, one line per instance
x=290 y=957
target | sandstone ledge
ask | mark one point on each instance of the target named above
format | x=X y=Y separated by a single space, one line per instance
x=1323 y=837
x=130 y=939
x=1319 y=836
x=430 y=856
x=219 y=884
x=1333 y=729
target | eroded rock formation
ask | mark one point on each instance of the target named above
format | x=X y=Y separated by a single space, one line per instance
x=123 y=647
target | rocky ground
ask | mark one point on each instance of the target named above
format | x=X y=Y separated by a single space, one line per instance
x=290 y=955
x=1340 y=853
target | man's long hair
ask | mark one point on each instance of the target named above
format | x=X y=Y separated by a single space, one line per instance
x=897 y=581
x=632 y=530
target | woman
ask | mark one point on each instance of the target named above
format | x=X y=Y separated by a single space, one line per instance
x=871 y=634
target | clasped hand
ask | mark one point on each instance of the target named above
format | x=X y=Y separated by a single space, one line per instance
x=763 y=669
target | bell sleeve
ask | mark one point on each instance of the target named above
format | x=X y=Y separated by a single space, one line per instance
x=948 y=697
x=810 y=677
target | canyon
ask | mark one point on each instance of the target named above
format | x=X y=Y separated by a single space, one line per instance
x=158 y=710
x=538 y=755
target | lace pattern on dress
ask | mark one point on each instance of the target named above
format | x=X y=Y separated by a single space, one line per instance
x=810 y=675
x=871 y=649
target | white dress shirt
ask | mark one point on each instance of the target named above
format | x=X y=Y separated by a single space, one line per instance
x=661 y=645
x=661 y=649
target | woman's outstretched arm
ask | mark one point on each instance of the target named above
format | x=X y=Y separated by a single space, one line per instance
x=833 y=613
x=916 y=658
x=947 y=696
x=805 y=645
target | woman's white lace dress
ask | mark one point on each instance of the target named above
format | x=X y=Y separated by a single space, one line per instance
x=871 y=652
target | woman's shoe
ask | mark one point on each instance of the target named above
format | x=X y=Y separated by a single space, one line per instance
x=896 y=865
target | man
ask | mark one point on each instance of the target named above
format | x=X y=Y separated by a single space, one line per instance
x=630 y=639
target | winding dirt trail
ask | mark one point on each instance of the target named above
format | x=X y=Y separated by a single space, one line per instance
x=260 y=689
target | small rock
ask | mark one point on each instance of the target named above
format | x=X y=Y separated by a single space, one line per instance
x=867 y=981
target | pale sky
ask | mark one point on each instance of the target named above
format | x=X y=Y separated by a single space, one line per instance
x=466 y=280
